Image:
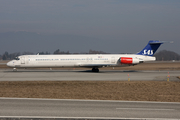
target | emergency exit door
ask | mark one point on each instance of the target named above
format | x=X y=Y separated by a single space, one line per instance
x=112 y=59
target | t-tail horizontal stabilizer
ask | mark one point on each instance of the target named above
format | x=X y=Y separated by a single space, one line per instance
x=150 y=48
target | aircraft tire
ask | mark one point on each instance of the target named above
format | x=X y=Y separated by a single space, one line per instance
x=95 y=70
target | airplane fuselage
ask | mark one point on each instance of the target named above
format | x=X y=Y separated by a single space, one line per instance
x=98 y=60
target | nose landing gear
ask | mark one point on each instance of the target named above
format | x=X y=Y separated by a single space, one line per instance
x=14 y=69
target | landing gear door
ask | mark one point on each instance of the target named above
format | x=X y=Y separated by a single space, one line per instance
x=22 y=60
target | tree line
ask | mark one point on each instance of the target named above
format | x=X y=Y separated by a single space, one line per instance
x=10 y=56
x=163 y=55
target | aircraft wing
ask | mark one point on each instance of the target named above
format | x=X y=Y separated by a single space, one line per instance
x=95 y=65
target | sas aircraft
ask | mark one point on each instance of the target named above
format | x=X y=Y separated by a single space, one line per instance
x=93 y=61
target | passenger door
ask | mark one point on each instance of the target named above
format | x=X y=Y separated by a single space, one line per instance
x=22 y=60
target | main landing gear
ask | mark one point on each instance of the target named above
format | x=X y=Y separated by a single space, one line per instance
x=95 y=70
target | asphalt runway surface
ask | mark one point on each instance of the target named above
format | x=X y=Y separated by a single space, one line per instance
x=49 y=108
x=85 y=75
x=46 y=108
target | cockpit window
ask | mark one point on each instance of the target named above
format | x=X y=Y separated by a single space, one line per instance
x=16 y=58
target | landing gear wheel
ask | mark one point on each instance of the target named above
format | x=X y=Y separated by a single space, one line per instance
x=14 y=69
x=95 y=70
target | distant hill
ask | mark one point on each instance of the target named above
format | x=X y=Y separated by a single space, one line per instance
x=165 y=55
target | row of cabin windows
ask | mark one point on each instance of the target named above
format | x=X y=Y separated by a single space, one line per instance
x=69 y=59
x=101 y=59
x=46 y=59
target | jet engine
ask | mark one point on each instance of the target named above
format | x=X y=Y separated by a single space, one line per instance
x=129 y=60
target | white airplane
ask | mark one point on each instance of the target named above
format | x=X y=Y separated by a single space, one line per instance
x=94 y=61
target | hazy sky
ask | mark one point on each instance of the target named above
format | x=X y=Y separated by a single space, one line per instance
x=118 y=23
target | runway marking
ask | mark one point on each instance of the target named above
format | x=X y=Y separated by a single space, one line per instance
x=56 y=117
x=144 y=109
x=45 y=99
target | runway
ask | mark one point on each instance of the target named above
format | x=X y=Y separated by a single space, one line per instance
x=83 y=75
x=86 y=109
x=54 y=108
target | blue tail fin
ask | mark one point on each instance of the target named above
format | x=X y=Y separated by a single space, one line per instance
x=150 y=48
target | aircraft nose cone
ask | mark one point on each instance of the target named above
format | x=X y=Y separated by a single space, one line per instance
x=9 y=64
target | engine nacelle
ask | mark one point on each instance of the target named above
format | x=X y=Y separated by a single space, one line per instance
x=129 y=60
